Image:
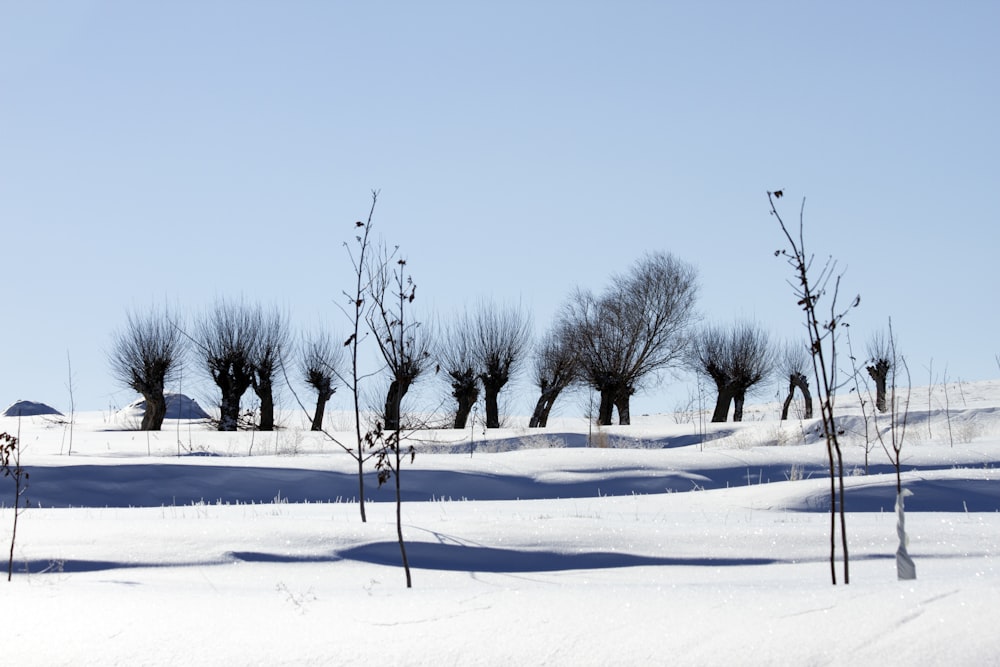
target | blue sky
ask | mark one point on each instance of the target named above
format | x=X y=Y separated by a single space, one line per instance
x=175 y=153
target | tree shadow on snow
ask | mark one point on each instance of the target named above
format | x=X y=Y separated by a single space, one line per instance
x=466 y=558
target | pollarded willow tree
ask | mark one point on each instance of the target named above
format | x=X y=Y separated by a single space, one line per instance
x=319 y=364
x=456 y=359
x=736 y=358
x=881 y=361
x=145 y=355
x=272 y=341
x=556 y=368
x=634 y=330
x=499 y=340
x=794 y=364
x=226 y=339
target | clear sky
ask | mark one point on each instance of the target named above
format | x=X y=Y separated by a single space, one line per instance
x=174 y=153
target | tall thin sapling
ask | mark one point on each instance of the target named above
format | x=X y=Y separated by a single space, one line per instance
x=809 y=287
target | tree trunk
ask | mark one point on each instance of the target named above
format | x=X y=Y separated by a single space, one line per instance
x=739 y=397
x=322 y=397
x=492 y=393
x=156 y=410
x=798 y=380
x=543 y=420
x=606 y=408
x=622 y=404
x=229 y=410
x=265 y=393
x=722 y=403
x=540 y=417
x=879 y=372
x=466 y=401
x=465 y=390
x=393 y=400
x=787 y=403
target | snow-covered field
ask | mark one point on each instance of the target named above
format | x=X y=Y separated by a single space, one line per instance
x=657 y=544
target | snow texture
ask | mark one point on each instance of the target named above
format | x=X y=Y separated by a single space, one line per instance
x=189 y=546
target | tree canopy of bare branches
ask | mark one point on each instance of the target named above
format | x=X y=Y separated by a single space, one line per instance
x=881 y=360
x=556 y=368
x=500 y=336
x=320 y=362
x=226 y=338
x=269 y=352
x=145 y=355
x=635 y=329
x=456 y=358
x=736 y=358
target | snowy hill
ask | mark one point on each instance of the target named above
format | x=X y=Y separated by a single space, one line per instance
x=661 y=542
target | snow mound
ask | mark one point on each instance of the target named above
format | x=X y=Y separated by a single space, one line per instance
x=179 y=406
x=29 y=409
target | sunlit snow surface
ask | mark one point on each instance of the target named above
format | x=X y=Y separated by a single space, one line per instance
x=673 y=544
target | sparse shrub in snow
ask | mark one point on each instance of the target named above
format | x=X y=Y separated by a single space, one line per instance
x=967 y=431
x=10 y=465
x=796 y=473
x=290 y=442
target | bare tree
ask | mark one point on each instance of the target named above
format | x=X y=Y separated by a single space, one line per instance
x=880 y=362
x=634 y=330
x=455 y=356
x=226 y=339
x=271 y=346
x=556 y=368
x=809 y=288
x=355 y=310
x=892 y=443
x=404 y=357
x=794 y=365
x=145 y=355
x=319 y=365
x=407 y=359
x=736 y=358
x=500 y=336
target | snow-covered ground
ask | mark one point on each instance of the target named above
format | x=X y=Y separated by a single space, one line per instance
x=659 y=543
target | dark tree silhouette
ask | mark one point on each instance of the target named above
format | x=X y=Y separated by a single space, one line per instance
x=500 y=336
x=880 y=362
x=226 y=339
x=456 y=358
x=794 y=365
x=736 y=358
x=145 y=355
x=556 y=368
x=635 y=329
x=267 y=357
x=320 y=363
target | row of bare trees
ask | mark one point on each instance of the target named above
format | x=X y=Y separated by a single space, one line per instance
x=611 y=343
x=240 y=347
